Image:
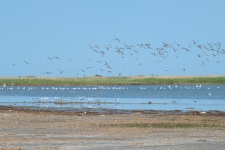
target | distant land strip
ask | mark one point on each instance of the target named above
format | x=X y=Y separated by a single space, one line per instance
x=99 y=80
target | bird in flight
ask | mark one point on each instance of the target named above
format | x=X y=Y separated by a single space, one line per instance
x=90 y=46
x=50 y=58
x=47 y=72
x=82 y=70
x=117 y=39
x=61 y=71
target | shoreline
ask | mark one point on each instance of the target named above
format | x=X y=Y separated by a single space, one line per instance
x=90 y=111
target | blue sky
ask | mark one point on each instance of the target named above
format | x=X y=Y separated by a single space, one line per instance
x=74 y=38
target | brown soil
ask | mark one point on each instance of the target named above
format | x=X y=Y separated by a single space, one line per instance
x=40 y=129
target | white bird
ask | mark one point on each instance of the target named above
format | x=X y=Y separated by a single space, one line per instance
x=203 y=112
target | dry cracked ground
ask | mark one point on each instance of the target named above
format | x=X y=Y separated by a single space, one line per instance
x=46 y=130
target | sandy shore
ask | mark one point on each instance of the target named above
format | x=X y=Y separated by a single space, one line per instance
x=45 y=130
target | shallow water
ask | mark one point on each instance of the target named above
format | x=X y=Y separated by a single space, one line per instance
x=151 y=97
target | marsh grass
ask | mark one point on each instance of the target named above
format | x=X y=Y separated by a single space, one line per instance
x=161 y=125
x=173 y=121
x=139 y=80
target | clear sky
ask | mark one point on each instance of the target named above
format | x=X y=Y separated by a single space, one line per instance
x=73 y=38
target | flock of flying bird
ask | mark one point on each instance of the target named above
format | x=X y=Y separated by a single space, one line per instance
x=105 y=64
x=203 y=52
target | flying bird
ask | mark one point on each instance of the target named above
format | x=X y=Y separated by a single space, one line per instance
x=50 y=58
x=90 y=46
x=82 y=70
x=116 y=39
x=61 y=71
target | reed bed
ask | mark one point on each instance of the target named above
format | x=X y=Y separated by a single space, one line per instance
x=138 y=80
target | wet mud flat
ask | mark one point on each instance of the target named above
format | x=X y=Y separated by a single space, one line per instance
x=36 y=128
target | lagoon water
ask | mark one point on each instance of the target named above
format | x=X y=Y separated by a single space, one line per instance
x=200 y=97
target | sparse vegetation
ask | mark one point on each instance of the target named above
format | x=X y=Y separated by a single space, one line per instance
x=161 y=125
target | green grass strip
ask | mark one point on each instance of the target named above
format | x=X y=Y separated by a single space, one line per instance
x=160 y=125
x=142 y=80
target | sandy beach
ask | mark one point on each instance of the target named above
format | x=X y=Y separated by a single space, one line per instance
x=23 y=129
